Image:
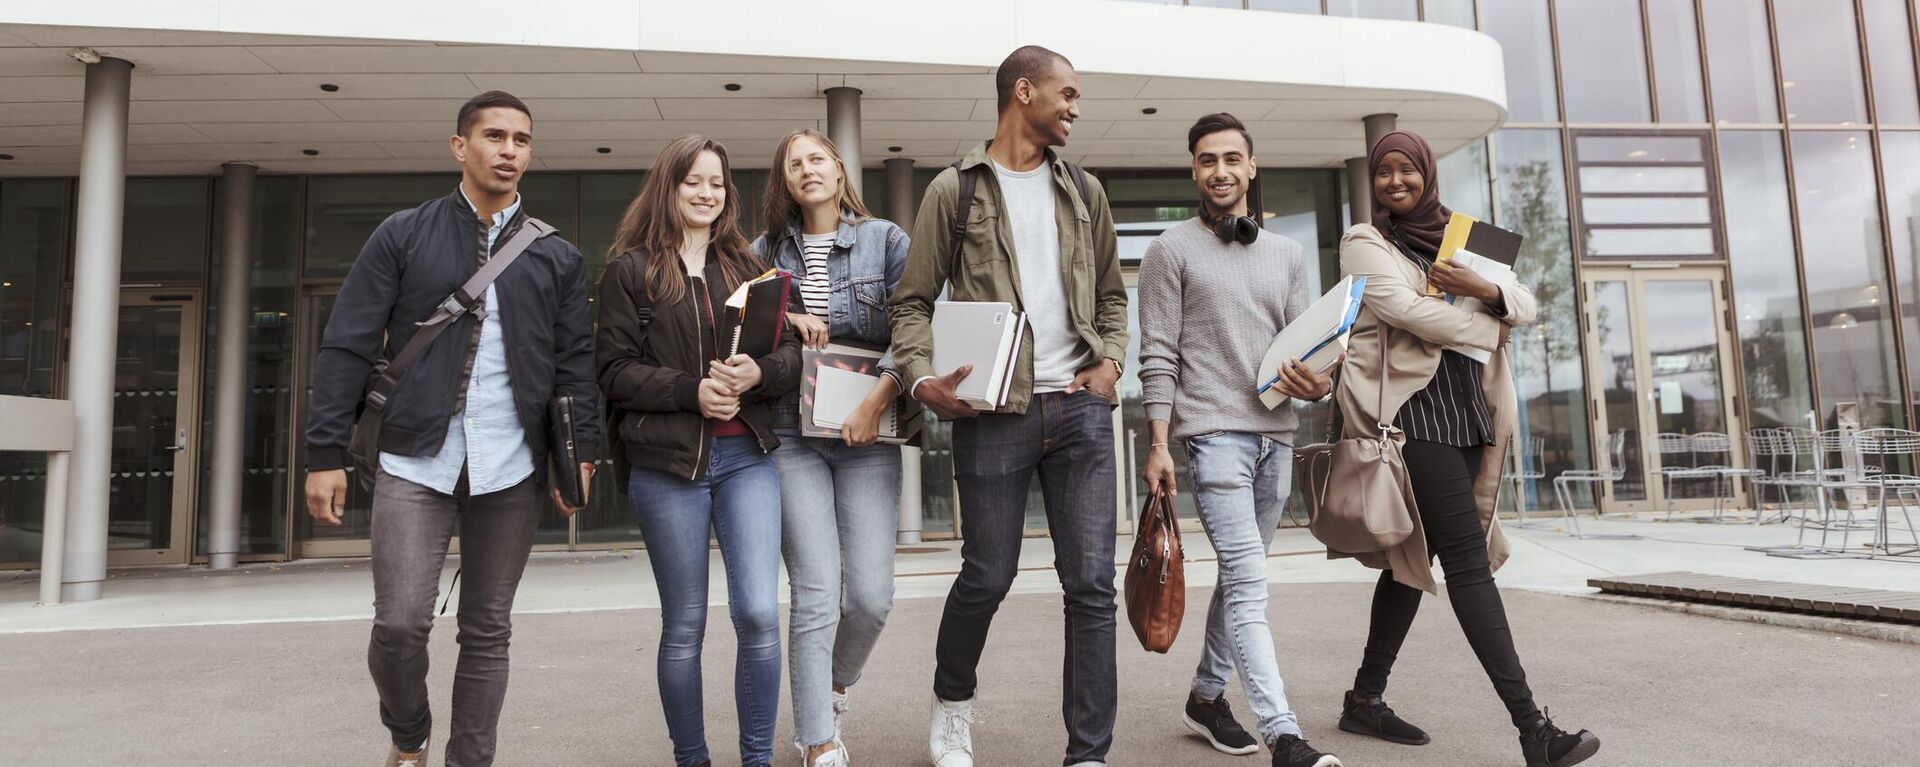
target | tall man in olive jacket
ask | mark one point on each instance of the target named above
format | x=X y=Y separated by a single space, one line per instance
x=465 y=434
x=1031 y=239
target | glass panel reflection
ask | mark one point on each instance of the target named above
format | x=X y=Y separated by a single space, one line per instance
x=1820 y=62
x=1896 y=99
x=1675 y=40
x=1840 y=236
x=1766 y=286
x=148 y=436
x=1617 y=243
x=1602 y=61
x=1639 y=149
x=1546 y=355
x=1900 y=161
x=1522 y=27
x=1613 y=321
x=1740 y=60
x=33 y=242
x=1645 y=210
x=343 y=211
x=1611 y=180
x=1402 y=10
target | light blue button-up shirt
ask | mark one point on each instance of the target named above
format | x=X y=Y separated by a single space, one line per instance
x=485 y=437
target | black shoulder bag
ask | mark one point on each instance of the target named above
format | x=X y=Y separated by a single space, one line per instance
x=363 y=449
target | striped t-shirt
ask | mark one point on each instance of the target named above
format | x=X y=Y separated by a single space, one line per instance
x=815 y=287
x=1452 y=408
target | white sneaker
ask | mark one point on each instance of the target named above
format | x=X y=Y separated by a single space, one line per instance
x=839 y=710
x=950 y=740
x=835 y=758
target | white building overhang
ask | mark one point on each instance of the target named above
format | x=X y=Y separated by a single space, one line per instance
x=220 y=81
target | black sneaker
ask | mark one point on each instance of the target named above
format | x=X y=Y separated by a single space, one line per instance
x=1292 y=751
x=1549 y=746
x=1371 y=716
x=1214 y=721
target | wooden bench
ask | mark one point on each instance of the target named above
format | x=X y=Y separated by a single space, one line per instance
x=1832 y=601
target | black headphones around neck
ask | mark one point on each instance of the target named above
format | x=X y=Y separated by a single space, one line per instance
x=1232 y=229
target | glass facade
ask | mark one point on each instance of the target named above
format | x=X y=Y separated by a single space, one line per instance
x=1765 y=151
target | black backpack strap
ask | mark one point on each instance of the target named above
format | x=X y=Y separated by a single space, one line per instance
x=467 y=299
x=1079 y=176
x=963 y=200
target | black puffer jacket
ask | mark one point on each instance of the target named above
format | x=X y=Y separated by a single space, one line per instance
x=650 y=360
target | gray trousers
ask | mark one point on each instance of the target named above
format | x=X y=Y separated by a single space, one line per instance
x=412 y=525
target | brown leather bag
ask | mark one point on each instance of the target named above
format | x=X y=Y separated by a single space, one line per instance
x=1357 y=494
x=1156 y=579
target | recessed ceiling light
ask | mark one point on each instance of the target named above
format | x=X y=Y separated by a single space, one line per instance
x=310 y=152
x=894 y=148
x=1150 y=110
x=733 y=86
x=6 y=157
x=330 y=87
x=603 y=149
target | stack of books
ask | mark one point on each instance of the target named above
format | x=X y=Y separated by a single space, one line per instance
x=1316 y=338
x=836 y=380
x=1486 y=249
x=985 y=334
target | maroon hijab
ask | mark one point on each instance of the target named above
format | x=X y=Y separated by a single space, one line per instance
x=1421 y=228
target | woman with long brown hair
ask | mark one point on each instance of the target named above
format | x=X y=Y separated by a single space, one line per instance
x=695 y=427
x=839 y=498
x=1457 y=414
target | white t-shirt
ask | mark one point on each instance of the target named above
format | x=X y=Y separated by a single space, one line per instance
x=1058 y=350
x=815 y=287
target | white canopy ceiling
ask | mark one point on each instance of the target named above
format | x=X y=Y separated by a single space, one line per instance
x=206 y=96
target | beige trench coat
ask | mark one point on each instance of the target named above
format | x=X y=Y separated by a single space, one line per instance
x=1421 y=327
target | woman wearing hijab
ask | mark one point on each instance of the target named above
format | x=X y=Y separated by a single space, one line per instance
x=1457 y=416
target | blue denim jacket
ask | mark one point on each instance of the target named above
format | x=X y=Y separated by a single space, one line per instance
x=867 y=260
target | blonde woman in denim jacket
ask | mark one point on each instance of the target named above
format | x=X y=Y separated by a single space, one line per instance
x=840 y=498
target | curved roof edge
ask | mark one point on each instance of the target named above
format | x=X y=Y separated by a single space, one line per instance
x=1247 y=48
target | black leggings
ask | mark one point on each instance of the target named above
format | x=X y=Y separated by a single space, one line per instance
x=1442 y=478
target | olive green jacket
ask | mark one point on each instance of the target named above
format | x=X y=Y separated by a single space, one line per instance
x=985 y=269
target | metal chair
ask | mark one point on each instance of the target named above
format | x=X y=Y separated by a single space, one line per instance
x=1612 y=471
x=1891 y=444
x=1532 y=467
x=1671 y=447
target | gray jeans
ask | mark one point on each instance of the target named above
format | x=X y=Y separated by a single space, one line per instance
x=412 y=525
x=1240 y=487
x=840 y=517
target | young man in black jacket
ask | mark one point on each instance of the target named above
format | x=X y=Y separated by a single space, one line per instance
x=465 y=430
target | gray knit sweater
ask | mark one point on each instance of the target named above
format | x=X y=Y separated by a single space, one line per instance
x=1207 y=313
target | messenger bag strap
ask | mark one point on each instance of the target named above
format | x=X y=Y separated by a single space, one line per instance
x=466 y=300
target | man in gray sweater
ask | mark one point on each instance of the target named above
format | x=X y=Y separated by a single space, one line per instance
x=1214 y=290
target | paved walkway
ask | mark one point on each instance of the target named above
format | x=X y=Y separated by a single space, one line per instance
x=266 y=665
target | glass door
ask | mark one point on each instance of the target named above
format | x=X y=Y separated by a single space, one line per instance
x=352 y=537
x=155 y=424
x=1659 y=340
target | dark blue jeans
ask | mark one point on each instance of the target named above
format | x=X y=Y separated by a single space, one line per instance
x=1068 y=440
x=739 y=500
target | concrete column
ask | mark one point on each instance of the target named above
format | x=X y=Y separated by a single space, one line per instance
x=1359 y=181
x=230 y=367
x=843 y=127
x=94 y=334
x=1377 y=126
x=1359 y=191
x=900 y=211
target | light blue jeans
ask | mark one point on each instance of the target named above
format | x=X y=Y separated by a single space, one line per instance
x=840 y=517
x=1240 y=486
